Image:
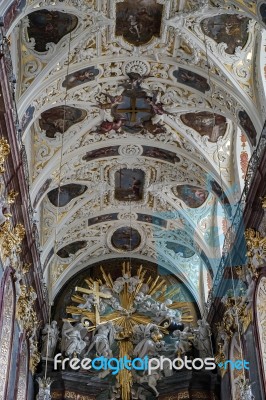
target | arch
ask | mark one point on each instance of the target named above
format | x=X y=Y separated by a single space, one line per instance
x=7 y=306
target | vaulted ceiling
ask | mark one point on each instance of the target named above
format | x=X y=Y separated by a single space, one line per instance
x=171 y=189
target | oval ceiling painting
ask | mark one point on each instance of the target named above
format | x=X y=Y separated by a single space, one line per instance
x=192 y=196
x=49 y=27
x=60 y=119
x=71 y=248
x=126 y=239
x=229 y=29
x=60 y=197
x=206 y=124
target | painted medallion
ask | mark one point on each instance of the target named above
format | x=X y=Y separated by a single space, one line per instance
x=126 y=239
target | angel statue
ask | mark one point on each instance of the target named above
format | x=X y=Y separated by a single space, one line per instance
x=72 y=342
x=103 y=340
x=183 y=338
x=203 y=339
x=151 y=343
x=150 y=379
x=49 y=339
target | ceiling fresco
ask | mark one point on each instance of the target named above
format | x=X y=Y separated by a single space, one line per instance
x=126 y=239
x=102 y=218
x=206 y=124
x=60 y=197
x=248 y=126
x=80 y=77
x=179 y=249
x=129 y=184
x=101 y=153
x=151 y=219
x=191 y=79
x=263 y=12
x=229 y=29
x=49 y=27
x=128 y=88
x=160 y=154
x=192 y=196
x=60 y=119
x=71 y=248
x=138 y=21
x=147 y=151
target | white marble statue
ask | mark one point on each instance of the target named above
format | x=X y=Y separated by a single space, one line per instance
x=18 y=279
x=112 y=301
x=166 y=312
x=182 y=343
x=72 y=342
x=160 y=311
x=250 y=291
x=202 y=339
x=151 y=379
x=138 y=394
x=132 y=282
x=89 y=302
x=49 y=339
x=102 y=340
x=150 y=344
